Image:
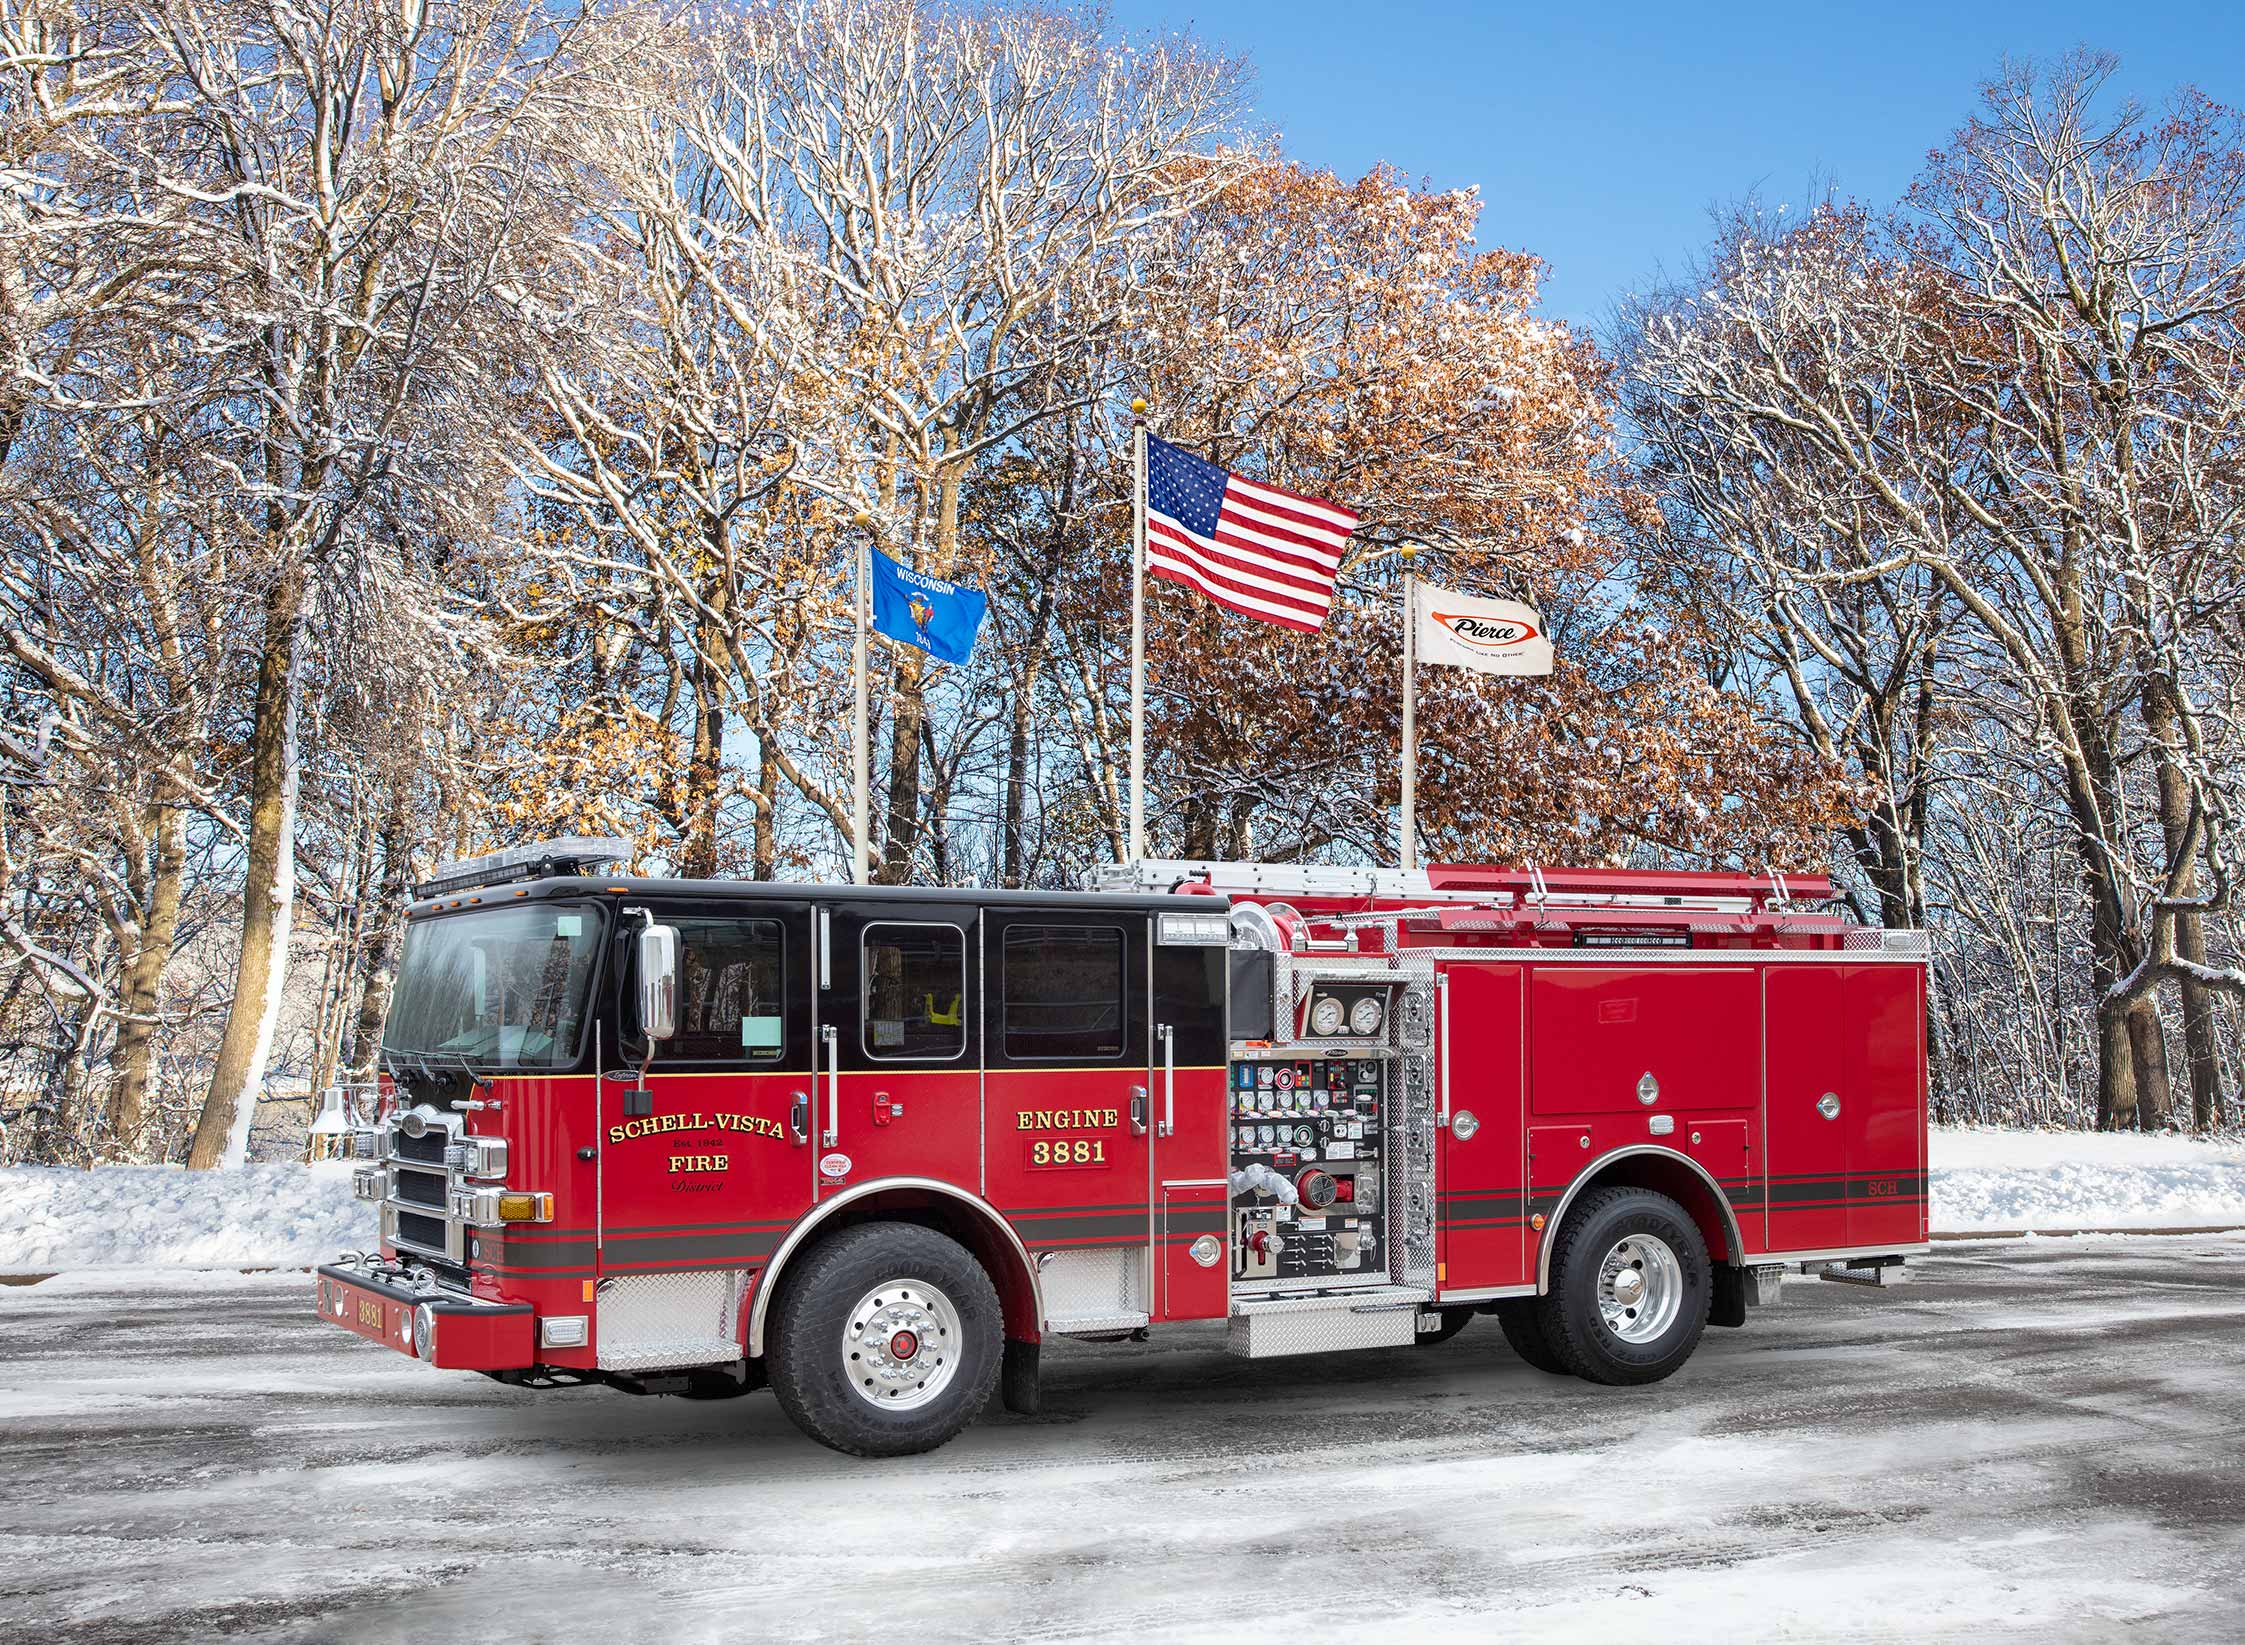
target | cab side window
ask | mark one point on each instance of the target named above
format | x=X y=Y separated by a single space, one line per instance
x=1061 y=993
x=915 y=992
x=731 y=976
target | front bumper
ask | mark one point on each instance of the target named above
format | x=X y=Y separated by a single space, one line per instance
x=456 y=1333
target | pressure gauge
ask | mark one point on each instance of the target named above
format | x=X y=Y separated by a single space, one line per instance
x=1326 y=1015
x=1285 y=1079
x=1303 y=1136
x=1364 y=1016
x=1270 y=1136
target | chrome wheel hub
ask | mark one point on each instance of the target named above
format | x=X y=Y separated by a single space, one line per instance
x=1640 y=1288
x=900 y=1344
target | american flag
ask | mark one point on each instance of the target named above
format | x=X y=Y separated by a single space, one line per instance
x=1253 y=548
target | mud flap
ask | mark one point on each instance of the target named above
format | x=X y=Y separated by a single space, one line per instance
x=1729 y=1304
x=1017 y=1378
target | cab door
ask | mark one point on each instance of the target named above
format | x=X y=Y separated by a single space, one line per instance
x=704 y=1151
x=899 y=1091
x=1069 y=1122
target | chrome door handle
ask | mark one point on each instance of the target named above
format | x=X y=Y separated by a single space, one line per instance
x=799 y=1117
x=1829 y=1105
x=832 y=1133
x=1138 y=1110
x=1168 y=1078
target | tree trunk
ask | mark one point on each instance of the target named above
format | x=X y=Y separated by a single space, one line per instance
x=2116 y=1079
x=901 y=823
x=135 y=1053
x=2147 y=1047
x=2201 y=1043
x=268 y=888
x=764 y=847
x=378 y=952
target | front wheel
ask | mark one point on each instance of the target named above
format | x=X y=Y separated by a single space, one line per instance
x=1630 y=1288
x=889 y=1339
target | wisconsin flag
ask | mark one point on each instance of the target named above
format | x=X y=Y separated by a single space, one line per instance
x=1494 y=636
x=939 y=617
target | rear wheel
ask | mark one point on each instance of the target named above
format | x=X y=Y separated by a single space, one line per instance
x=1523 y=1328
x=1630 y=1287
x=889 y=1339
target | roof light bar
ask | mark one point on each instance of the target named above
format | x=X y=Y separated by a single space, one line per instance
x=571 y=854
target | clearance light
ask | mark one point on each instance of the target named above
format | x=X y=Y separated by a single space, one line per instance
x=494 y=1207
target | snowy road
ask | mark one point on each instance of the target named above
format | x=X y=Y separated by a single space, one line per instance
x=2035 y=1441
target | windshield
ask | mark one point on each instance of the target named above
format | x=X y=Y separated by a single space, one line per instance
x=504 y=988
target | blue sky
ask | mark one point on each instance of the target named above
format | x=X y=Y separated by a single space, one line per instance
x=1599 y=136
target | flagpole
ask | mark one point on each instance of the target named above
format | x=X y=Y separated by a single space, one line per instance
x=1137 y=849
x=1410 y=710
x=861 y=847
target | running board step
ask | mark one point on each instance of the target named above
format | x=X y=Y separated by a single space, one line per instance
x=1280 y=1326
x=1873 y=1271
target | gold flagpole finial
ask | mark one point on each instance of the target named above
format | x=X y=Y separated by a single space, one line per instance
x=1138 y=408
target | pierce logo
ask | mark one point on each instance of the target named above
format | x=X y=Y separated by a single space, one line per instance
x=1487 y=634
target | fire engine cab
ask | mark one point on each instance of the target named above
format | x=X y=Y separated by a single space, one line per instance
x=870 y=1146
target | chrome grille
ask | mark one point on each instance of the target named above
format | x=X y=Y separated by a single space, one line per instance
x=425 y=1149
x=426 y=1232
x=418 y=1188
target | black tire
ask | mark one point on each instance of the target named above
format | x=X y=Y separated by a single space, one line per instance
x=833 y=1392
x=1454 y=1320
x=1574 y=1324
x=1522 y=1324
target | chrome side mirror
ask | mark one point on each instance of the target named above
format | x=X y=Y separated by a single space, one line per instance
x=658 y=981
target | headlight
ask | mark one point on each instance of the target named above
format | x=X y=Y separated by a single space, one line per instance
x=425 y=1331
x=1364 y=1016
x=478 y=1156
x=1326 y=1015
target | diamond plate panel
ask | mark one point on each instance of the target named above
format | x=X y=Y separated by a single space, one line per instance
x=656 y=1322
x=1093 y=1285
x=1269 y=1335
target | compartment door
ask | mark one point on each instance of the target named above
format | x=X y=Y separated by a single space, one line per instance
x=1806 y=1149
x=1883 y=1088
x=1189 y=1091
x=1481 y=1189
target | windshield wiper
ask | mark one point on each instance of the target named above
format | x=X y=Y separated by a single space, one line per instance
x=482 y=1082
x=401 y=1064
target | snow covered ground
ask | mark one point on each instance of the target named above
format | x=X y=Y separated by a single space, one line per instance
x=127 y=1216
x=2026 y=1442
x=2013 y=1180
x=268 y=1216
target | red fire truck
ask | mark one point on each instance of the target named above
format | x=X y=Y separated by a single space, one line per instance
x=872 y=1146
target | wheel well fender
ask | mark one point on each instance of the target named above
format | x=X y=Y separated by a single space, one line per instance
x=965 y=1217
x=1660 y=1171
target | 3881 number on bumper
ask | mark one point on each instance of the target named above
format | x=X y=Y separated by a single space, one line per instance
x=453 y=1333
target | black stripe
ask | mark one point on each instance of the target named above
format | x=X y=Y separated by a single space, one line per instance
x=507 y=1253
x=1200 y=1219
x=1081 y=1225
x=741 y=1247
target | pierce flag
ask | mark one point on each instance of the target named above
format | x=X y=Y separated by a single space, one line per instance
x=1493 y=636
x=939 y=617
